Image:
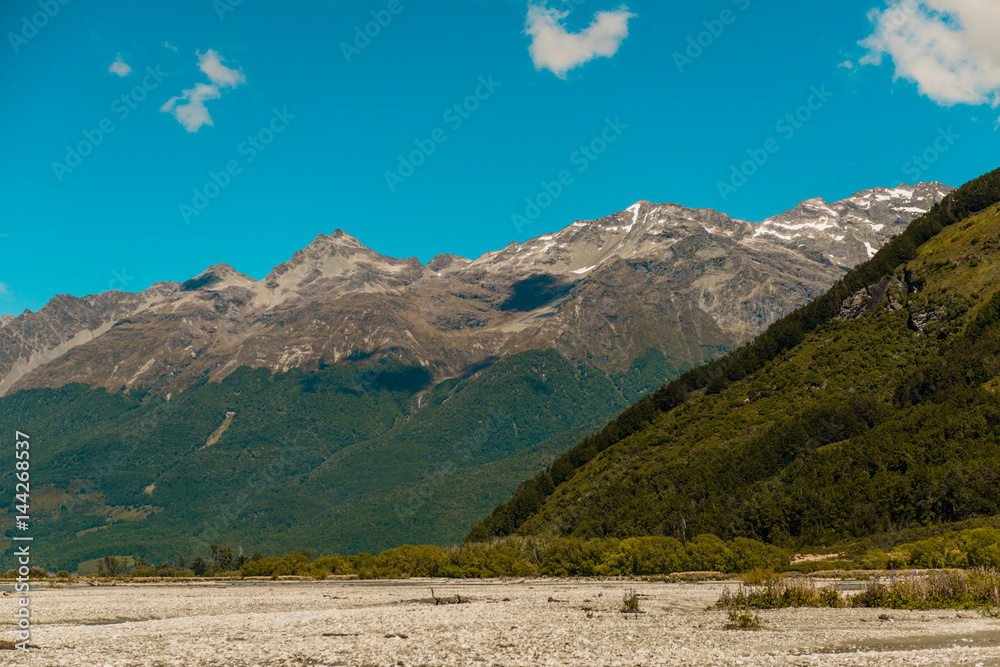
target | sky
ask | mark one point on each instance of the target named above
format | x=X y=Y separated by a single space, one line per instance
x=147 y=141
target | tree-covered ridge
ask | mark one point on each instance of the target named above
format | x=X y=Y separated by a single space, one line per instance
x=843 y=386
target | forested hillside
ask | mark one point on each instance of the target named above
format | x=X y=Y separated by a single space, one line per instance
x=334 y=460
x=869 y=410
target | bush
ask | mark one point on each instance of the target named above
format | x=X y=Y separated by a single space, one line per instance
x=780 y=594
x=979 y=588
x=978 y=547
x=630 y=602
x=743 y=618
x=408 y=561
x=760 y=577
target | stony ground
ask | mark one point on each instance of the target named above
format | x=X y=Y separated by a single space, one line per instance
x=533 y=622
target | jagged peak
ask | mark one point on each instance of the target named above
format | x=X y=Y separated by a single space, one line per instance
x=339 y=238
x=341 y=244
x=446 y=263
x=905 y=191
x=217 y=276
x=221 y=269
x=336 y=256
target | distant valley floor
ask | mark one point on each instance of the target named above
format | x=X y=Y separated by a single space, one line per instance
x=530 y=622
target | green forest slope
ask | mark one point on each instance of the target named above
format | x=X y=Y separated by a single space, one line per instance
x=336 y=460
x=822 y=429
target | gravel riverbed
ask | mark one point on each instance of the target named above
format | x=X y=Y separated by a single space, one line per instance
x=531 y=622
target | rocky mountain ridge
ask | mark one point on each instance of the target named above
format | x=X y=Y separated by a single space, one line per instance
x=688 y=282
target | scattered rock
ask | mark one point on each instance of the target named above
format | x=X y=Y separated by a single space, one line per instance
x=919 y=319
x=869 y=299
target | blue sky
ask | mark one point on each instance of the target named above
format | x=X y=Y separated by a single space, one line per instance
x=147 y=141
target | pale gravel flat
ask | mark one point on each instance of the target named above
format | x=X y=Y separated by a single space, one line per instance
x=283 y=623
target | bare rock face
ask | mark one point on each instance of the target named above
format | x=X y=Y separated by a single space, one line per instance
x=869 y=299
x=689 y=282
x=31 y=341
x=919 y=319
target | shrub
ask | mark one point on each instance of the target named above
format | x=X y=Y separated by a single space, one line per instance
x=979 y=547
x=760 y=577
x=630 y=602
x=743 y=618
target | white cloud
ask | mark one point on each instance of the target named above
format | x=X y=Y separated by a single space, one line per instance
x=949 y=48
x=170 y=46
x=189 y=107
x=3 y=289
x=120 y=67
x=192 y=113
x=219 y=74
x=558 y=50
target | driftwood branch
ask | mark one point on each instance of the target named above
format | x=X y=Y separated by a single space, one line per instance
x=458 y=599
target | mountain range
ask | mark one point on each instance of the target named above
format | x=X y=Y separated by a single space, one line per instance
x=688 y=282
x=351 y=402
